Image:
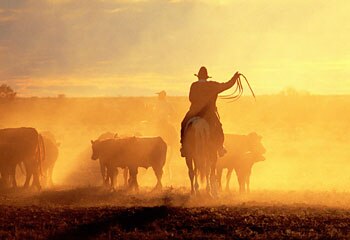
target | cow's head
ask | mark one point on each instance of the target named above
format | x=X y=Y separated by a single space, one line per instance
x=95 y=149
x=256 y=148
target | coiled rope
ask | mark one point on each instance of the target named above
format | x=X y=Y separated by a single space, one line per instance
x=237 y=93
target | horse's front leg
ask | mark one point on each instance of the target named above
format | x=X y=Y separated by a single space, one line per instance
x=208 y=180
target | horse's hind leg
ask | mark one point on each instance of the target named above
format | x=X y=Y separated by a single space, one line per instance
x=213 y=179
x=190 y=172
x=196 y=185
x=208 y=180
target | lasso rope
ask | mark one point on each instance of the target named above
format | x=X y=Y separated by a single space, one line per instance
x=237 y=93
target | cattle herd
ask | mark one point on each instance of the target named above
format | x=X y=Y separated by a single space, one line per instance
x=35 y=155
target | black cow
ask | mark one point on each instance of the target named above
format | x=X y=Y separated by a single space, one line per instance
x=108 y=177
x=21 y=145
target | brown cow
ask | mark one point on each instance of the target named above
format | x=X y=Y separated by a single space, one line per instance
x=132 y=152
x=243 y=152
x=19 y=145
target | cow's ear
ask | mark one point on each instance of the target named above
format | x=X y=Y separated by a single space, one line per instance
x=92 y=142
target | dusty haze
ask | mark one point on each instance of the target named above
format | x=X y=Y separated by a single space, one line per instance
x=306 y=136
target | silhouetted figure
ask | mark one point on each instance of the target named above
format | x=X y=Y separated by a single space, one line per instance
x=203 y=95
x=165 y=114
x=164 y=110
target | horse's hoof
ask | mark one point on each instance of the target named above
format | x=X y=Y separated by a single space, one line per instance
x=157 y=189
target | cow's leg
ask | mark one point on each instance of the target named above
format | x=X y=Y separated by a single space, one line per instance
x=29 y=173
x=190 y=172
x=228 y=178
x=133 y=179
x=12 y=177
x=159 y=173
x=126 y=173
x=113 y=174
x=5 y=177
x=49 y=173
x=36 y=181
x=248 y=182
x=103 y=170
x=168 y=161
x=110 y=177
x=241 y=181
x=219 y=175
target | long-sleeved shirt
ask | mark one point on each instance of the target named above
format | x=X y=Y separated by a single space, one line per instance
x=203 y=95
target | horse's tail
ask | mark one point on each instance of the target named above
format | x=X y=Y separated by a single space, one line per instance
x=201 y=128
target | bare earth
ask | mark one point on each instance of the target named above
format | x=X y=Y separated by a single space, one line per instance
x=95 y=213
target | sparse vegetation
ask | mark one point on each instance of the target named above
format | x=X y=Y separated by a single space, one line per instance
x=6 y=92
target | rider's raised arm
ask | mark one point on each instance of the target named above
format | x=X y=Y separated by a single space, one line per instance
x=226 y=85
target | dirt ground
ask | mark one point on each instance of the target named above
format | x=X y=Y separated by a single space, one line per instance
x=96 y=213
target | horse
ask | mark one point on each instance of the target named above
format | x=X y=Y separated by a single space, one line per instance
x=201 y=155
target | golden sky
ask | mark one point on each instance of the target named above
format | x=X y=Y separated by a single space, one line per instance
x=120 y=47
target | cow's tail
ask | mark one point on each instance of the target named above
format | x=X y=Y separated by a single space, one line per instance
x=40 y=153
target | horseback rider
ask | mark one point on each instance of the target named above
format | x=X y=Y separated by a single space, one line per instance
x=163 y=110
x=203 y=95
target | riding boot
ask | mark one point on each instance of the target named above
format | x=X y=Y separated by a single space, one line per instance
x=222 y=151
x=182 y=151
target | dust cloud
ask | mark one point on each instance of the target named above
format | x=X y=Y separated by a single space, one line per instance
x=305 y=136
